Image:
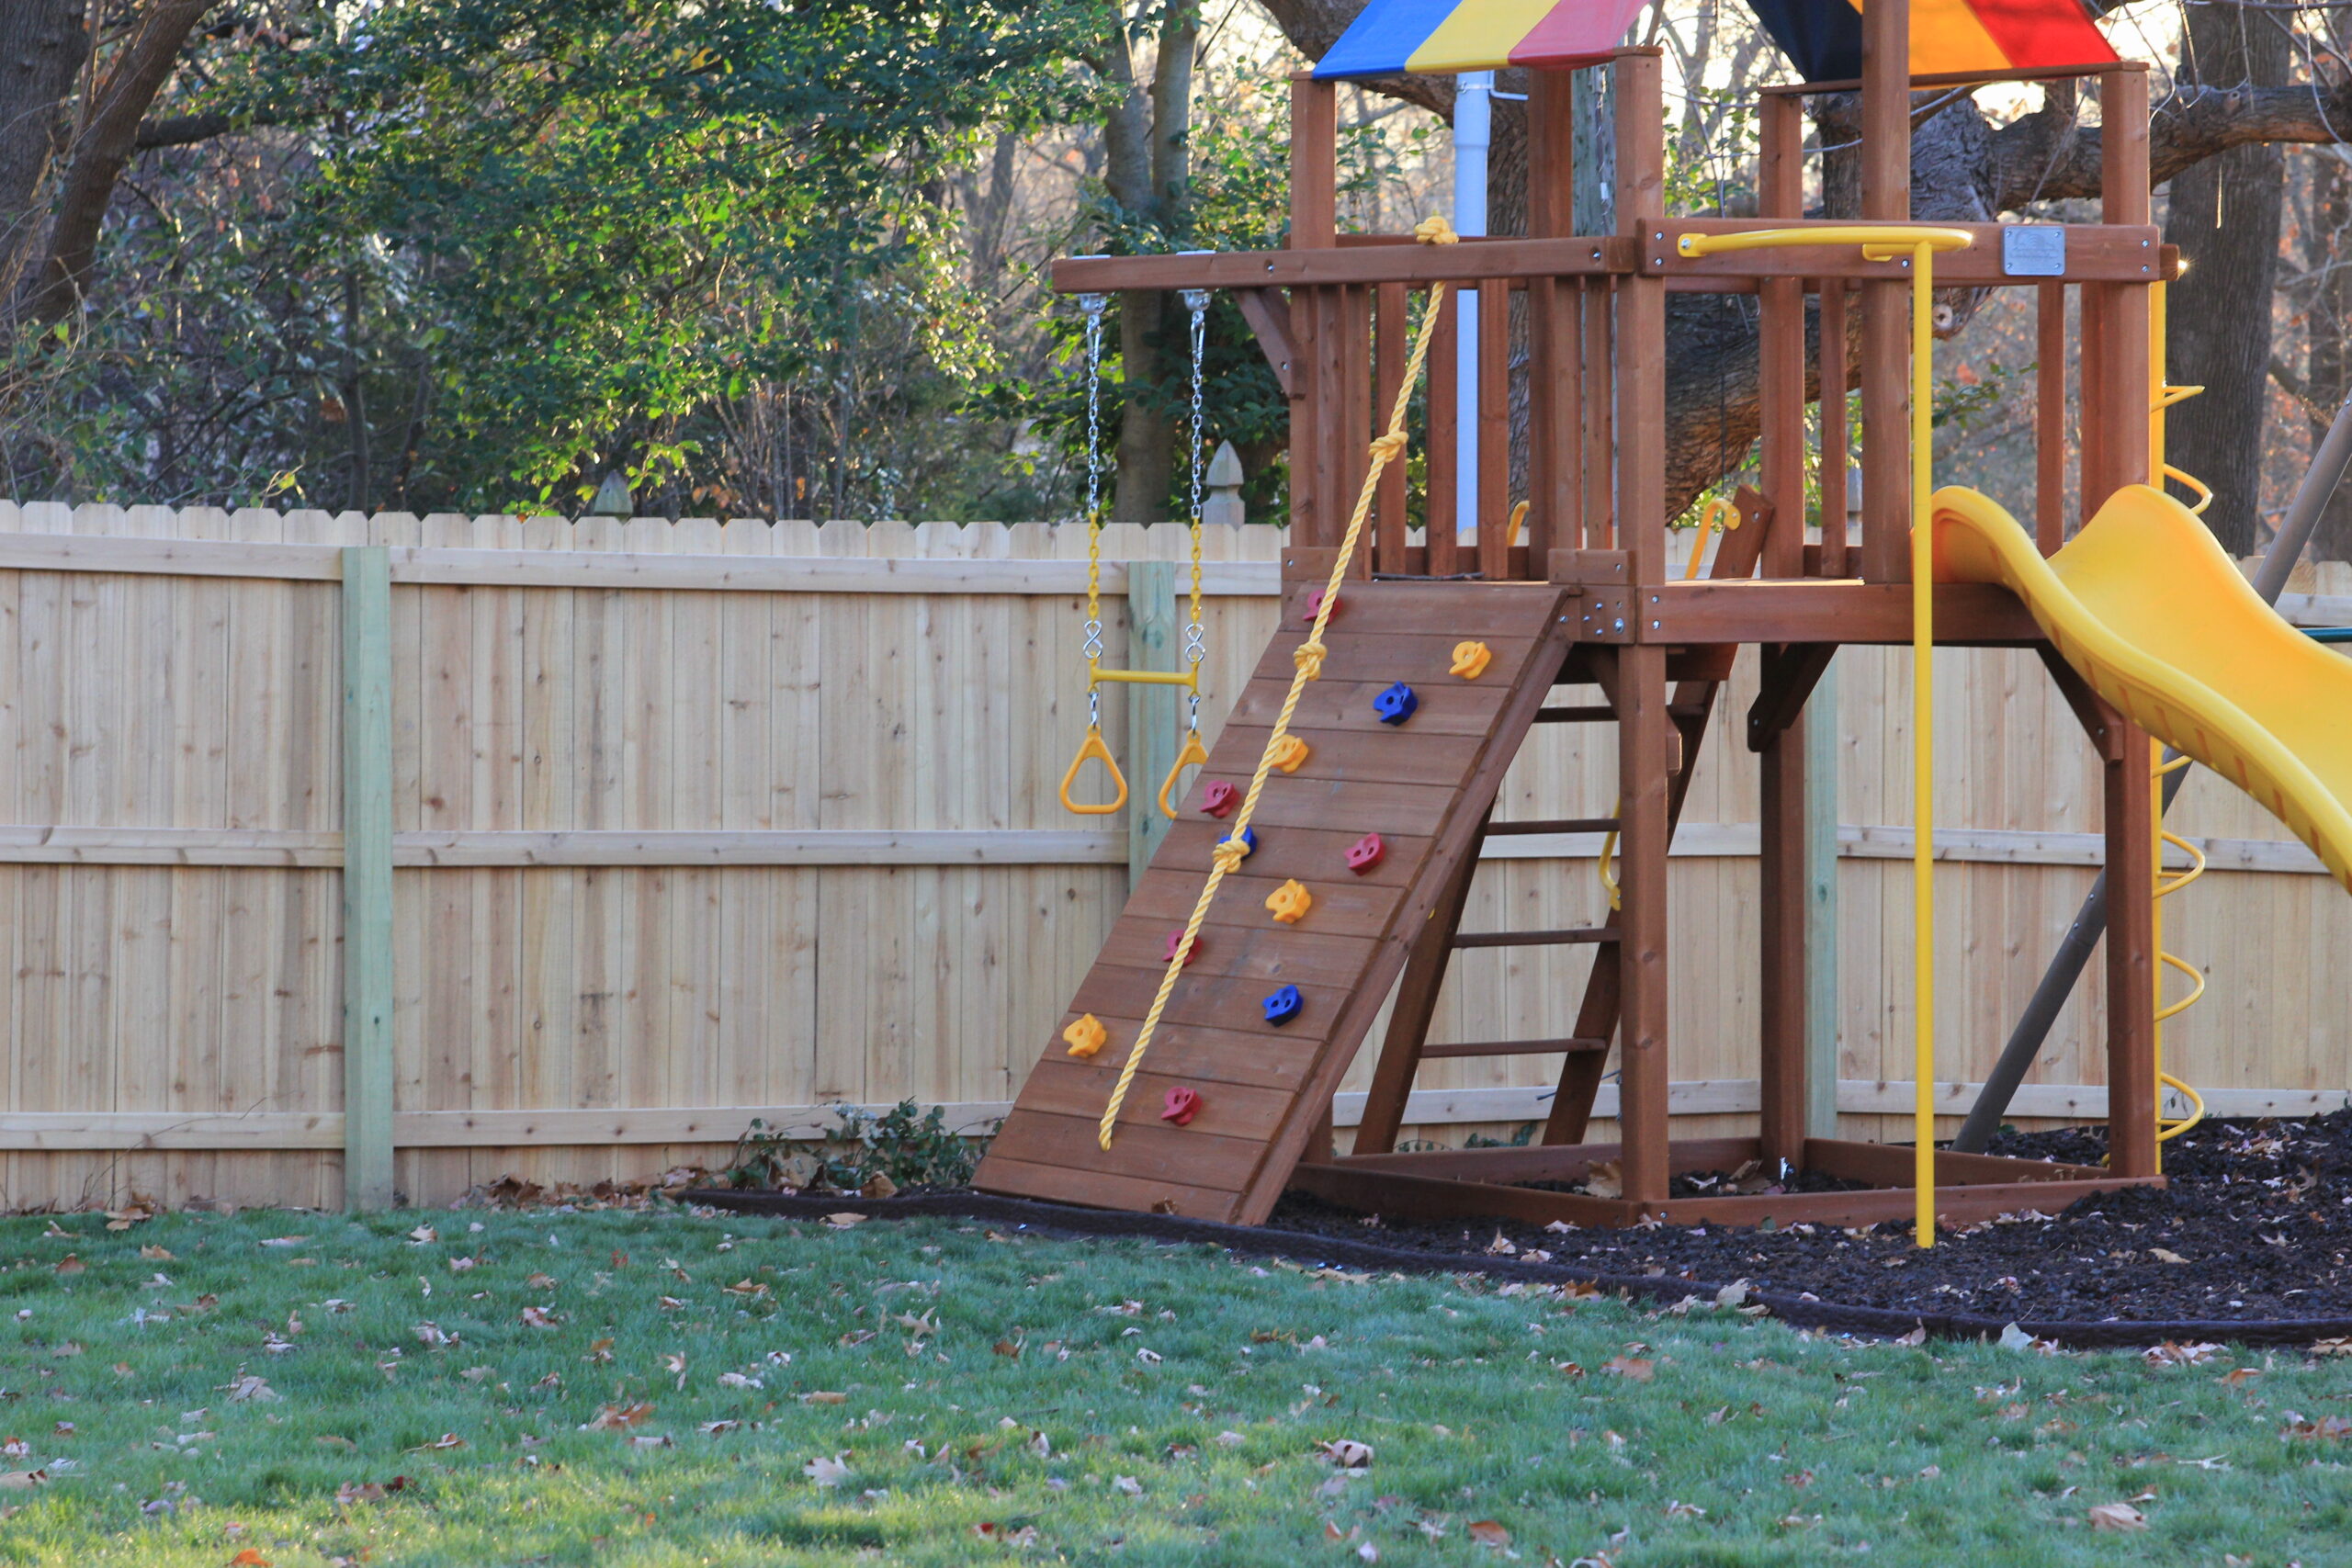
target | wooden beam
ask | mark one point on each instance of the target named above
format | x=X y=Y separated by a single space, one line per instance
x=1640 y=357
x=1967 y=614
x=1268 y=314
x=2096 y=253
x=368 y=980
x=1306 y=265
x=1643 y=784
x=2131 y=965
x=1781 y=328
x=1785 y=683
x=1886 y=305
x=2050 y=418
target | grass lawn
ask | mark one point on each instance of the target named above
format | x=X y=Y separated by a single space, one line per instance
x=643 y=1389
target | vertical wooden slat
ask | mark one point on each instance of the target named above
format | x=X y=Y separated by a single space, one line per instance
x=1837 y=452
x=1886 y=305
x=1392 y=337
x=2050 y=417
x=1356 y=414
x=1443 y=444
x=1781 y=322
x=1551 y=304
x=1599 y=347
x=1313 y=225
x=1494 y=429
x=1155 y=641
x=366 y=877
x=2124 y=198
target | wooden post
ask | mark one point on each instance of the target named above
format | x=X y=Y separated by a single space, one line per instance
x=1836 y=454
x=2131 y=948
x=1886 y=305
x=1781 y=908
x=1440 y=527
x=2123 y=198
x=1155 y=641
x=1494 y=429
x=1551 y=320
x=1823 y=740
x=1641 y=321
x=1781 y=322
x=368 y=878
x=1644 y=738
x=1314 y=225
x=1392 y=334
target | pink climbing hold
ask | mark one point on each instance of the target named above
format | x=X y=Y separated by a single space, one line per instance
x=1183 y=1104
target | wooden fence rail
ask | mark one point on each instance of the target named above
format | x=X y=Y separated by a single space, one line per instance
x=451 y=847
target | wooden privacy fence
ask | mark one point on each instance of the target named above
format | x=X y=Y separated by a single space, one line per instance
x=573 y=847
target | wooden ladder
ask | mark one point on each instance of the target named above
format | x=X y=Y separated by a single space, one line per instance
x=1701 y=673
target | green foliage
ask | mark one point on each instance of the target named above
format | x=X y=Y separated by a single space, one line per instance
x=904 y=1146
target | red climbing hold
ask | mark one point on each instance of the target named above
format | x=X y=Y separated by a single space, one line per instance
x=1183 y=1106
x=1365 y=852
x=1176 y=940
x=1219 y=798
x=1315 y=607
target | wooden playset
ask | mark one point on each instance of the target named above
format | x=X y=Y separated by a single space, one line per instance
x=1326 y=850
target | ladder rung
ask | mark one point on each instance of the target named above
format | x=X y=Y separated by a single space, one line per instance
x=1535 y=938
x=1515 y=1048
x=1580 y=712
x=1552 y=825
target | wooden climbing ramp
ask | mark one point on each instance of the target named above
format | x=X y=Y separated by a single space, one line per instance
x=1424 y=786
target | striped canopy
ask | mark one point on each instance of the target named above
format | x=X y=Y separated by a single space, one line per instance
x=1822 y=37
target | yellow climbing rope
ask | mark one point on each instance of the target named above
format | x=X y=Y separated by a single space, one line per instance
x=1307 y=665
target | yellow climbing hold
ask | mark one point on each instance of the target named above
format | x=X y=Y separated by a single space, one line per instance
x=1086 y=1036
x=1289 y=752
x=1470 y=659
x=1290 y=902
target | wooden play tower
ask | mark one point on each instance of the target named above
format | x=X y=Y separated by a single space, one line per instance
x=1582 y=596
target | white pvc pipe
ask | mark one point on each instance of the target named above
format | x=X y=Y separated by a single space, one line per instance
x=1473 y=133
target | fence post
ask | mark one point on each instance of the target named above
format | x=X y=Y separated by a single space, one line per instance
x=366 y=877
x=1154 y=642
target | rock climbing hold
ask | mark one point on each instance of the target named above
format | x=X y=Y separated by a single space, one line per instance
x=1396 y=704
x=1183 y=1104
x=1176 y=940
x=1086 y=1036
x=1470 y=659
x=1290 y=902
x=1315 y=605
x=1283 y=1004
x=1365 y=852
x=1248 y=843
x=1290 y=753
x=1219 y=798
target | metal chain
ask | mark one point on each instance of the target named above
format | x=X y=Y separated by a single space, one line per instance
x=1196 y=300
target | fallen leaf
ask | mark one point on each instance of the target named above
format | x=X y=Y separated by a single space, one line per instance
x=739 y=1380
x=1636 y=1368
x=542 y=1282
x=827 y=1471
x=714 y=1429
x=1916 y=1336
x=70 y=1263
x=824 y=1396
x=249 y=1387
x=22 y=1480
x=1489 y=1533
x=249 y=1558
x=842 y=1222
x=157 y=1254
x=2164 y=1254
x=283 y=1241
x=2119 y=1516
x=424 y=1233
x=1605 y=1180
x=2240 y=1376
x=445 y=1441
x=540 y=1317
x=1345 y=1452
x=1128 y=1484
x=618 y=1417
x=330 y=1440
x=2173 y=1353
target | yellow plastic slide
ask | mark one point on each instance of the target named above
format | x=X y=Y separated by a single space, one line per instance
x=2149 y=608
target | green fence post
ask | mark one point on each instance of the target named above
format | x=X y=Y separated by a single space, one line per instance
x=366 y=877
x=1154 y=642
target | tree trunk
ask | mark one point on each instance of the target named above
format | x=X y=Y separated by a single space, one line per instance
x=109 y=136
x=2225 y=217
x=2326 y=321
x=42 y=45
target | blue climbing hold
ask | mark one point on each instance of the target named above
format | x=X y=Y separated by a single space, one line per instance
x=1396 y=704
x=1248 y=843
x=1283 y=1004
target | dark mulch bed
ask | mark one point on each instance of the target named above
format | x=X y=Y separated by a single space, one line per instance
x=2258 y=1214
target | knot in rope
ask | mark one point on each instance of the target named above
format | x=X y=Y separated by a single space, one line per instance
x=1307 y=658
x=1435 y=230
x=1387 y=447
x=1228 y=855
